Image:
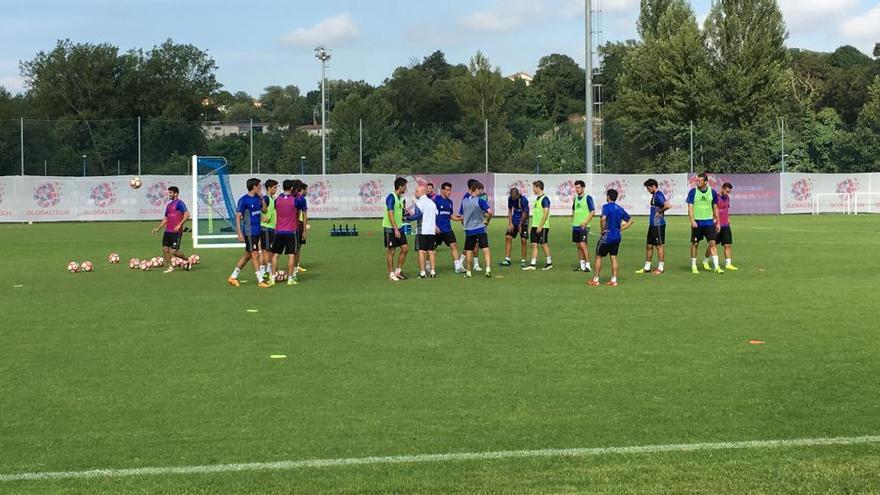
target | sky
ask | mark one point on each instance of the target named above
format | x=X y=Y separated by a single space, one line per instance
x=271 y=42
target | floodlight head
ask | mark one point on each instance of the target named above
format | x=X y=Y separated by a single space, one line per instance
x=322 y=54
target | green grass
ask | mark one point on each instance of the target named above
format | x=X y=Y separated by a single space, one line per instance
x=124 y=369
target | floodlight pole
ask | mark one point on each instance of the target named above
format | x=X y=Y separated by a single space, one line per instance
x=782 y=133
x=692 y=146
x=588 y=48
x=22 y=145
x=361 y=136
x=252 y=146
x=322 y=55
x=486 y=142
x=139 y=146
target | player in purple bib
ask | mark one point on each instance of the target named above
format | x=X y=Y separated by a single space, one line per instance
x=176 y=216
x=288 y=208
x=725 y=235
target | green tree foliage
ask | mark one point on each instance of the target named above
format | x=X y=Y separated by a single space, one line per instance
x=561 y=83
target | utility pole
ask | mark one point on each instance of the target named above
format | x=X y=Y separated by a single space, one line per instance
x=361 y=138
x=782 y=131
x=486 y=142
x=139 y=146
x=322 y=55
x=692 y=146
x=588 y=48
x=252 y=146
x=22 y=145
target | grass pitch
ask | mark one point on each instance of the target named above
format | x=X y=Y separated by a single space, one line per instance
x=125 y=369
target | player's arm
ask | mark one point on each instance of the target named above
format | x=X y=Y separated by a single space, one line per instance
x=544 y=219
x=305 y=223
x=592 y=214
x=627 y=224
x=691 y=215
x=238 y=219
x=161 y=225
x=716 y=218
x=602 y=222
x=264 y=204
x=510 y=217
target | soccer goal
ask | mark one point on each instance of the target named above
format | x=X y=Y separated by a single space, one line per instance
x=867 y=202
x=213 y=213
x=837 y=203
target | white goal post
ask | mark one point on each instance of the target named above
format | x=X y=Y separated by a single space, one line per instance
x=867 y=202
x=839 y=203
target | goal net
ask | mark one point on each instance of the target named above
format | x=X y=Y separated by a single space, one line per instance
x=835 y=203
x=214 y=207
x=867 y=202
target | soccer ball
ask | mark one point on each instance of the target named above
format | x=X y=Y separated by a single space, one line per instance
x=113 y=259
x=135 y=183
x=134 y=263
x=73 y=267
x=280 y=276
x=194 y=259
x=157 y=262
x=86 y=266
x=145 y=265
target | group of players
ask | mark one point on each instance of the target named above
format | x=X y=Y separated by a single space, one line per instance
x=275 y=224
x=708 y=211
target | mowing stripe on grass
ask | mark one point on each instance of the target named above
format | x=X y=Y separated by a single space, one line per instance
x=458 y=456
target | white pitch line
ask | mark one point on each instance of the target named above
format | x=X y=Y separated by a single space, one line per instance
x=423 y=458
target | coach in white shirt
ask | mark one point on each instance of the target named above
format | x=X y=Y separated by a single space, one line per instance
x=426 y=213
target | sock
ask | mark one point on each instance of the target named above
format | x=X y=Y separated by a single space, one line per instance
x=469 y=273
x=397 y=271
x=595 y=279
x=614 y=279
x=457 y=264
x=728 y=262
x=390 y=274
x=587 y=263
x=422 y=273
x=507 y=259
x=549 y=260
x=522 y=260
x=660 y=266
x=705 y=260
x=693 y=262
x=461 y=260
x=235 y=273
x=259 y=277
x=647 y=265
x=534 y=261
x=488 y=269
x=433 y=272
x=476 y=263
x=715 y=261
x=583 y=265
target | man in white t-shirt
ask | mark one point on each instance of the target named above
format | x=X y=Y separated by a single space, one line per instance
x=426 y=212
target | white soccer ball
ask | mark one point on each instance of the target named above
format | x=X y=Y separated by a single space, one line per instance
x=145 y=265
x=135 y=183
x=73 y=267
x=113 y=258
x=157 y=262
x=194 y=259
x=134 y=263
x=86 y=266
x=280 y=276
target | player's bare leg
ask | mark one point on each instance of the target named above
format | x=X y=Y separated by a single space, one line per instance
x=487 y=255
x=597 y=270
x=401 y=259
x=421 y=264
x=432 y=258
x=614 y=267
x=525 y=248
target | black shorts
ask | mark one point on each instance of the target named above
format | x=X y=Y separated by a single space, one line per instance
x=286 y=243
x=725 y=236
x=700 y=233
x=172 y=240
x=657 y=235
x=522 y=231
x=579 y=235
x=391 y=241
x=605 y=249
x=302 y=240
x=447 y=238
x=252 y=243
x=426 y=242
x=267 y=239
x=539 y=239
x=480 y=241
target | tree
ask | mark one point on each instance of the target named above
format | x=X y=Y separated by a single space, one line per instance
x=562 y=83
x=376 y=113
x=663 y=88
x=480 y=96
x=650 y=13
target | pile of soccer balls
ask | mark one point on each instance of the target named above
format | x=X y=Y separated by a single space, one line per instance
x=85 y=267
x=136 y=263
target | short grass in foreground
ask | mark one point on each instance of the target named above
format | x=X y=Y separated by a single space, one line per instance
x=124 y=369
